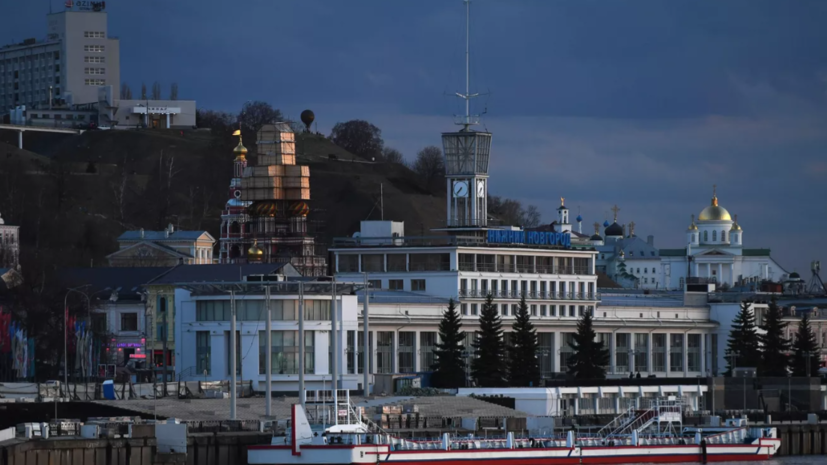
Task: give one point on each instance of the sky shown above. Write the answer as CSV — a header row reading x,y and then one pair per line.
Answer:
x,y
643,104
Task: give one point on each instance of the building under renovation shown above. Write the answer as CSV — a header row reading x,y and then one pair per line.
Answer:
x,y
266,218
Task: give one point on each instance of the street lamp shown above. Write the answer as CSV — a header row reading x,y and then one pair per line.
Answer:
x,y
66,330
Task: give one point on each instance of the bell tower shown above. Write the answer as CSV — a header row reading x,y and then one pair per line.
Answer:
x,y
466,159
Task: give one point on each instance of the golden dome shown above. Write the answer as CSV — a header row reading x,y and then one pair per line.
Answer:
x,y
714,212
255,251
735,226
692,225
240,150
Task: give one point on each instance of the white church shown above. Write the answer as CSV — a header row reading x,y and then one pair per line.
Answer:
x,y
714,250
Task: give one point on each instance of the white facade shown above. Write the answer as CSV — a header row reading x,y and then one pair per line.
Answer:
x,y
77,56
125,323
203,334
714,250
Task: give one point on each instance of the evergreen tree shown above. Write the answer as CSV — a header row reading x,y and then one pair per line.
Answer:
x,y
449,367
743,344
488,368
524,366
590,357
774,346
806,349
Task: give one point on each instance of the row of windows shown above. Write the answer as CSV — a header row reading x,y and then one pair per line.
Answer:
x,y
93,71
523,264
394,262
95,82
519,288
574,311
254,310
28,59
398,284
94,35
94,48
94,59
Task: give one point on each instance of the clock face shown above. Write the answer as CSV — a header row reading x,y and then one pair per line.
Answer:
x,y
461,189
480,188
237,194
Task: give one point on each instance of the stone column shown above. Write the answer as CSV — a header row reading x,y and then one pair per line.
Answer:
x,y
632,356
703,354
167,120
721,273
667,347
556,340
649,365
417,356
395,348
685,355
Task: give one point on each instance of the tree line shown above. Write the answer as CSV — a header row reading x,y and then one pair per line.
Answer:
x,y
771,353
498,360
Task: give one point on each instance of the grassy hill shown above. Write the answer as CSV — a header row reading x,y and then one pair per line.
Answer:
x,y
93,186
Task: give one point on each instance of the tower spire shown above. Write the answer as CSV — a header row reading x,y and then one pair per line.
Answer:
x,y
468,119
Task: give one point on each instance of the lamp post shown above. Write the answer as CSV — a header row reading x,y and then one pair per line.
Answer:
x,y
66,330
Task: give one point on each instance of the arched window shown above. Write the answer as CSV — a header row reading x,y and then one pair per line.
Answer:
x,y
706,236
162,304
714,236
723,236
693,237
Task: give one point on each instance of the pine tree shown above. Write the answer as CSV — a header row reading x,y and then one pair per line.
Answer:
x,y
524,366
449,367
774,346
590,357
488,368
806,349
743,343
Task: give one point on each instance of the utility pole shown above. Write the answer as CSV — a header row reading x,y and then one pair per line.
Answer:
x,y
233,355
334,349
269,353
302,396
366,348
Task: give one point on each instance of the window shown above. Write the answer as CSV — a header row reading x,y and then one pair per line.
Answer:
x,y
100,59
641,352
723,236
693,355
430,262
285,352
676,351
129,321
543,310
202,352
474,309
417,284
405,364
427,343
397,262
504,309
253,310
646,270
466,262
515,309
533,310
94,35
552,310
375,283
94,71
316,310
659,352
395,284
464,309
161,331
706,236
714,236
373,262
348,263
94,82
92,48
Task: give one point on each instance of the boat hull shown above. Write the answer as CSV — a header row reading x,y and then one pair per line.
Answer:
x,y
341,455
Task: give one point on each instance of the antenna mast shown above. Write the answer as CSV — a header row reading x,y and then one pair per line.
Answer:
x,y
468,119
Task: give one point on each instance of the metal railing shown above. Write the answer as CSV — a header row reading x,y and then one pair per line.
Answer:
x,y
537,295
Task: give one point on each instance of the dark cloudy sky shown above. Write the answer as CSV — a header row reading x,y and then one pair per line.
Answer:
x,y
646,104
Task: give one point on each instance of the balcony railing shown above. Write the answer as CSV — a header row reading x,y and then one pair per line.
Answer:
x,y
516,268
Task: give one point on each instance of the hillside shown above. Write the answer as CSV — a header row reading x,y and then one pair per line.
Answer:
x,y
95,185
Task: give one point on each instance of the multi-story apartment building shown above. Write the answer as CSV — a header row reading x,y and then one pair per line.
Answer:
x,y
75,58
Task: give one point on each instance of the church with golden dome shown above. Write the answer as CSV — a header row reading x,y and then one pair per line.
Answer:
x,y
265,219
714,250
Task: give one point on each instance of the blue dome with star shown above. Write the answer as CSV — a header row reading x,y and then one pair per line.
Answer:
x,y
606,224
579,218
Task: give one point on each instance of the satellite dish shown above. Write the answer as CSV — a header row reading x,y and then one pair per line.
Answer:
x,y
308,117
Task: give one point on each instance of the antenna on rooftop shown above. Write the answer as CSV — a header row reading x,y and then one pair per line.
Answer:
x,y
468,119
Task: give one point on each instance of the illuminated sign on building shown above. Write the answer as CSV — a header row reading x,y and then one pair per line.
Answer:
x,y
85,5
129,345
529,237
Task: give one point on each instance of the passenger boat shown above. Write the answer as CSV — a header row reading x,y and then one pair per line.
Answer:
x,y
649,435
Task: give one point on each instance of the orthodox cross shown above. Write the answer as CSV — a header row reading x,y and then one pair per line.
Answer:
x,y
631,228
615,209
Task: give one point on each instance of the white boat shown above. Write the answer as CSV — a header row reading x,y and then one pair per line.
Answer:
x,y
652,435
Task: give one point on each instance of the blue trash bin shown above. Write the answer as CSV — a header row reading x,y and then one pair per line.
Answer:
x,y
109,390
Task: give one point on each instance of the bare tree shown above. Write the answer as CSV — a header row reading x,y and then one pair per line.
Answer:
x,y
143,91
256,114
359,137
119,190
391,155
126,92
429,165
531,217
156,90
173,91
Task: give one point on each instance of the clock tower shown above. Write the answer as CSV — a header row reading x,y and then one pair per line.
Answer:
x,y
466,161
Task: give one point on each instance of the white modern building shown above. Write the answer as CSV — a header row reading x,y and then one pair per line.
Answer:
x,y
76,57
203,331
